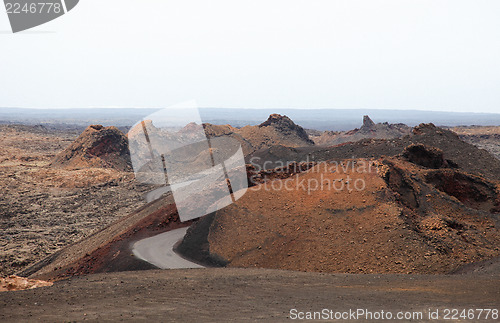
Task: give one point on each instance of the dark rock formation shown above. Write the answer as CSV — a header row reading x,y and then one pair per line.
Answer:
x,y
420,154
285,125
97,146
368,124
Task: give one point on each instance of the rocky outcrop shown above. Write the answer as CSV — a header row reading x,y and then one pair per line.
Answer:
x,y
97,146
286,126
368,124
14,282
420,154
276,130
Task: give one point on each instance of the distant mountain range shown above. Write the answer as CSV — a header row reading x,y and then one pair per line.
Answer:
x,y
320,119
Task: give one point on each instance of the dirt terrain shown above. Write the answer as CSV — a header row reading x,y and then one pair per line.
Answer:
x,y
44,208
487,137
245,295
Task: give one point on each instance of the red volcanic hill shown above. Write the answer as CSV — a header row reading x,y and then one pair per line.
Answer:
x,y
430,208
374,216
97,146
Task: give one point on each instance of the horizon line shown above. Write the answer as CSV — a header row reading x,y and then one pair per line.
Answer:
x,y
247,108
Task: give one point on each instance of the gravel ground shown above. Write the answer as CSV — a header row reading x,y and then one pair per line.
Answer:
x,y
228,294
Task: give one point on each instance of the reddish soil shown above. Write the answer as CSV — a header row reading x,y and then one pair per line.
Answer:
x,y
470,190
404,220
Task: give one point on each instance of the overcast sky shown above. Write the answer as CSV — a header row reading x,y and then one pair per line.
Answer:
x,y
419,54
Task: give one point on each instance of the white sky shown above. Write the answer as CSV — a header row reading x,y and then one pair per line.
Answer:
x,y
398,54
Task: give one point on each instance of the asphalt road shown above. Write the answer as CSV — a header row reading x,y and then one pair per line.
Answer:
x,y
158,250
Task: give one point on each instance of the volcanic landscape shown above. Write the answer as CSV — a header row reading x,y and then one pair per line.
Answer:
x,y
369,216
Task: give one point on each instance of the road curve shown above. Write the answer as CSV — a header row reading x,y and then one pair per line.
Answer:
x,y
158,250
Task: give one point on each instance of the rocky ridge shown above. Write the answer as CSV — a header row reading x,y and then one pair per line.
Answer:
x,y
368,130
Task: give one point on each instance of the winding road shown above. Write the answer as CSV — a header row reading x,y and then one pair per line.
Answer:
x,y
159,250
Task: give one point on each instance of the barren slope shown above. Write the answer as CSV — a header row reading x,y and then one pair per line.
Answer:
x,y
486,137
396,217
